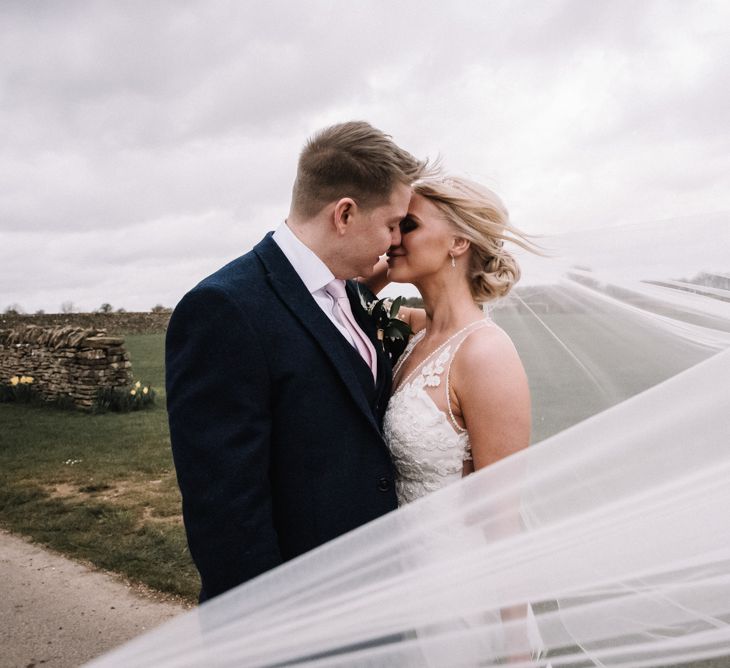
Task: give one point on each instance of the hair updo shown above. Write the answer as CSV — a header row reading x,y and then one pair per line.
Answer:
x,y
479,215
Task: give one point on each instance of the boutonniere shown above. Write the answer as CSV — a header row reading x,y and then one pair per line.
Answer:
x,y
392,332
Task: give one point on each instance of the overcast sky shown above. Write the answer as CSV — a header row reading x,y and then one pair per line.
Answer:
x,y
144,144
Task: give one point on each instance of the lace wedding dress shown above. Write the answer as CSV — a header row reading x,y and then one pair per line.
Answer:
x,y
427,445
429,448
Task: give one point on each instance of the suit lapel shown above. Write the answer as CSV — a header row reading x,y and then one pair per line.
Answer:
x,y
293,293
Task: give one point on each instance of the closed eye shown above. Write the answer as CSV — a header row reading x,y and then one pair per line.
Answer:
x,y
407,225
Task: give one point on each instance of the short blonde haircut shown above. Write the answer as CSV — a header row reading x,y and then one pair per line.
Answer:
x,y
351,159
480,216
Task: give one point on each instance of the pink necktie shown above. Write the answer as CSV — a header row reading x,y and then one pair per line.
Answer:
x,y
343,313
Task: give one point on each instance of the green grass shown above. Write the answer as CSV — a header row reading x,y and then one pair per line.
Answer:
x,y
579,364
100,487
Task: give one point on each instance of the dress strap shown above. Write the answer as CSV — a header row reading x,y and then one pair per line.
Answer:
x,y
443,350
457,426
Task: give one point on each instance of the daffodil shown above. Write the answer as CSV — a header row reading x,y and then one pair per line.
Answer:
x,y
138,384
133,392
14,380
145,390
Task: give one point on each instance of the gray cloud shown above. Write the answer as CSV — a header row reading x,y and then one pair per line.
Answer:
x,y
160,139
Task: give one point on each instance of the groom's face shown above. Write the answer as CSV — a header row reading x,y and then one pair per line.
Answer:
x,y
375,230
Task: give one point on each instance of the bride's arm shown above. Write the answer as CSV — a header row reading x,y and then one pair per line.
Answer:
x,y
490,393
491,396
379,278
415,318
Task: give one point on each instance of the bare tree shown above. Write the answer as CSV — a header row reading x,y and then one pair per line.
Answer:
x,y
159,308
14,309
105,308
68,307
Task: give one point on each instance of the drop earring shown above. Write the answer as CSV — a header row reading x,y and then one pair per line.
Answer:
x,y
453,262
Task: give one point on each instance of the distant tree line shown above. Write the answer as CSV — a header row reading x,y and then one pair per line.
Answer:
x,y
69,307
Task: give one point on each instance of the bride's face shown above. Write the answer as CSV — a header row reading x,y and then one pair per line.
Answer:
x,y
426,238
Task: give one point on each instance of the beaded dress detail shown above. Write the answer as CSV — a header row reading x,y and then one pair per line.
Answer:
x,y
427,445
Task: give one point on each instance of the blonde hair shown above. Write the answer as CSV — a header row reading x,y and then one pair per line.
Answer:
x,y
480,216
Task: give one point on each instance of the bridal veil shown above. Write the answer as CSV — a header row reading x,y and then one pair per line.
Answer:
x,y
623,549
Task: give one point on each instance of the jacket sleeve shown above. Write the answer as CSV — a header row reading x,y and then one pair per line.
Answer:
x,y
218,404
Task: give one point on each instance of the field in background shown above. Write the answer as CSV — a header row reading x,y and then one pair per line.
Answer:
x,y
100,488
583,356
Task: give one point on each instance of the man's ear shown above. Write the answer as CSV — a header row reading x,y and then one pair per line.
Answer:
x,y
342,214
459,246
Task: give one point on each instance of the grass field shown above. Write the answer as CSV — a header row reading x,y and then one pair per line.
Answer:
x,y
579,364
100,488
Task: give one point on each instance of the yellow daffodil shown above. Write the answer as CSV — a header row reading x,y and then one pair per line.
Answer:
x,y
138,384
145,390
14,380
133,392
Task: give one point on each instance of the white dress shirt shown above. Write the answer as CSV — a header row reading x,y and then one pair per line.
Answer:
x,y
314,273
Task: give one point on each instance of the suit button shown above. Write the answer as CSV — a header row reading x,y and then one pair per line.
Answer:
x,y
383,484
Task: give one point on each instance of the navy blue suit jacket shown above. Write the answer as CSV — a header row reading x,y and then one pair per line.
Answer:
x,y
275,421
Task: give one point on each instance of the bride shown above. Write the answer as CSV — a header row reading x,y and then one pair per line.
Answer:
x,y
460,399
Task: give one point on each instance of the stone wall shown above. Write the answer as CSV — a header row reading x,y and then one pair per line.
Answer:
x,y
65,362
114,323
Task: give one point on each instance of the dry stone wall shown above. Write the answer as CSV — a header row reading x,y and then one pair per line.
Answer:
x,y
65,362
114,323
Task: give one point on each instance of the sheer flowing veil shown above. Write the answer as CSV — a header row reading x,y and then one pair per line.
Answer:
x,y
621,555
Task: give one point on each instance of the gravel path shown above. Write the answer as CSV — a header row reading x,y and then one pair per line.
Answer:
x,y
57,613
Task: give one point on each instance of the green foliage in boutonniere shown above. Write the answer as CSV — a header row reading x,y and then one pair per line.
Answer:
x,y
393,333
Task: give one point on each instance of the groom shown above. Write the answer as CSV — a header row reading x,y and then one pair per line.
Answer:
x,y
276,384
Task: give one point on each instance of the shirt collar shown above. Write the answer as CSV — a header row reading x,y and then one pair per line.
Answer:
x,y
314,273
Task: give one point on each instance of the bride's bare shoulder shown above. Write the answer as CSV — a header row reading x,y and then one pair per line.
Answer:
x,y
488,350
